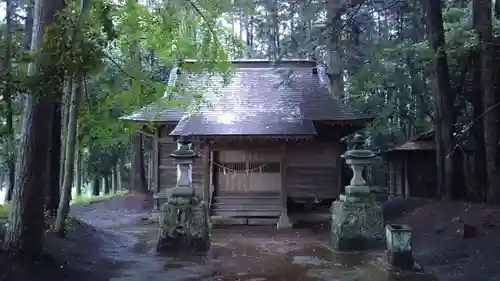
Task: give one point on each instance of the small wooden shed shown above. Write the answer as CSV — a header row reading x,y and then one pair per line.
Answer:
x,y
269,136
412,167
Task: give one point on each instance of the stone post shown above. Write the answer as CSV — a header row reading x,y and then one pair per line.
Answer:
x,y
356,215
184,221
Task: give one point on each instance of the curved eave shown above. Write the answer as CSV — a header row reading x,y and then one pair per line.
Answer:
x,y
144,121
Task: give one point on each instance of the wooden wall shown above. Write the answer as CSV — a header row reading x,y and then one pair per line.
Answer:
x,y
313,169
198,169
412,174
168,168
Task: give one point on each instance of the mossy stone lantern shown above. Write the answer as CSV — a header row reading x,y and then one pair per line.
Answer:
x,y
358,158
184,220
357,219
184,157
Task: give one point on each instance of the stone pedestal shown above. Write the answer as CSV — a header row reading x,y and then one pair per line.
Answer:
x,y
356,224
184,226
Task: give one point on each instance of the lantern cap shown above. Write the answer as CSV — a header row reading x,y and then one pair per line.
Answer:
x,y
358,151
184,151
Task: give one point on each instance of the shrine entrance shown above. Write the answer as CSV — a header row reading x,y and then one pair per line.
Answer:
x,y
248,185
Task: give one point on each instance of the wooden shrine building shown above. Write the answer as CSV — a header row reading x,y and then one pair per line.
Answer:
x,y
269,136
412,167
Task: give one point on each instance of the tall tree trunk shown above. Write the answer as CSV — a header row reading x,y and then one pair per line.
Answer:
x,y
249,35
107,184
96,185
54,189
78,172
65,107
444,100
138,169
28,26
119,174
138,173
483,24
273,22
24,234
334,45
69,171
7,98
241,22
114,179
480,175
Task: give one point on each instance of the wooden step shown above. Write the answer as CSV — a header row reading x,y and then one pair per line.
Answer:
x,y
246,213
243,207
247,196
262,221
249,205
226,194
249,199
219,220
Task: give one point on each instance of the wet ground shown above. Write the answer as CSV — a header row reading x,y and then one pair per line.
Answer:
x,y
257,254
118,245
237,253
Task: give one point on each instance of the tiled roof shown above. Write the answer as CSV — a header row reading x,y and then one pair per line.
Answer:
x,y
416,145
157,111
423,141
261,98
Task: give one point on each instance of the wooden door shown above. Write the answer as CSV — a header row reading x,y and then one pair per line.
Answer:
x,y
241,171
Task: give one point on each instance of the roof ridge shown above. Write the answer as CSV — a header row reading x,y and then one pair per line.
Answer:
x,y
172,80
251,63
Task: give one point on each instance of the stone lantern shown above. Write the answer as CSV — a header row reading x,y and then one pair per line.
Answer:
x,y
184,218
356,215
358,158
184,157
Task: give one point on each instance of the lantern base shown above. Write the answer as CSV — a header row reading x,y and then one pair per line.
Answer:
x,y
184,226
356,225
354,190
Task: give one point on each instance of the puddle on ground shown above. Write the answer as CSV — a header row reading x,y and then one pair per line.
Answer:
x,y
255,256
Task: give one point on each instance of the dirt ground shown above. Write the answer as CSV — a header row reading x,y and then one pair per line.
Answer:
x,y
437,237
112,241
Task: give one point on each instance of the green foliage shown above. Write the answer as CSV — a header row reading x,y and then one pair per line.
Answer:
x,y
125,49
4,212
86,200
127,44
393,82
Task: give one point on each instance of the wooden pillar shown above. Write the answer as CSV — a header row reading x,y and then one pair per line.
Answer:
x,y
206,172
284,221
339,166
156,164
151,169
390,177
407,181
